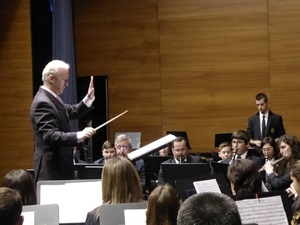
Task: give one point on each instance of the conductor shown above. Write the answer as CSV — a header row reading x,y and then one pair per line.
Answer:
x,y
50,116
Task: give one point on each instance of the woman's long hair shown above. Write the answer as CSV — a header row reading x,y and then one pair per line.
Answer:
x,y
23,182
163,206
120,183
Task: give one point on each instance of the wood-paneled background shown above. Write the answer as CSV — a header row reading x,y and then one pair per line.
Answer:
x,y
193,65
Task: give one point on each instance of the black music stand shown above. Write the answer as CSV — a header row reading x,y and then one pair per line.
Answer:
x,y
88,171
172,171
222,137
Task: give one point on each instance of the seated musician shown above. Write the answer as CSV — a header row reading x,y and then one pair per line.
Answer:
x,y
295,186
289,149
225,151
240,142
180,152
244,177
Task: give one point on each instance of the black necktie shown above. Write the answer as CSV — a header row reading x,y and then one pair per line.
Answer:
x,y
263,127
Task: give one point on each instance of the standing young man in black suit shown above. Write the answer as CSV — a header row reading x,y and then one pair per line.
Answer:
x,y
264,123
50,116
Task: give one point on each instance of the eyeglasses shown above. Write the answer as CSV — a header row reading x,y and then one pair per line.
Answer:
x,y
124,147
237,142
267,149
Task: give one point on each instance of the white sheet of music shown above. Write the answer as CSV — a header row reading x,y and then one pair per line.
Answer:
x,y
135,216
28,218
263,211
147,149
207,186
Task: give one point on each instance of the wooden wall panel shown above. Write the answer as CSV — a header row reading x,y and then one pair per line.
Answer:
x,y
210,57
213,100
139,92
214,40
16,149
191,8
124,35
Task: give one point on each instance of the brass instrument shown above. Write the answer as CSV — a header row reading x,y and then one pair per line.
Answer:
x,y
295,218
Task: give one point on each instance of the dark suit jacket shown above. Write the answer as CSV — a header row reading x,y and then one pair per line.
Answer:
x,y
190,159
274,128
279,182
100,161
257,160
140,168
53,153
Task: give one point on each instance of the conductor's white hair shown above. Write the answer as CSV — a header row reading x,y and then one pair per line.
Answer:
x,y
52,68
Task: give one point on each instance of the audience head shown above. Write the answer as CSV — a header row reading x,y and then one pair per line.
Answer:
x,y
123,145
244,177
240,141
163,206
208,209
56,75
269,148
23,182
120,182
262,102
289,147
10,207
225,150
108,150
295,175
180,149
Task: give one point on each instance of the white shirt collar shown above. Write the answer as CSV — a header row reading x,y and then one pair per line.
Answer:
x,y
51,92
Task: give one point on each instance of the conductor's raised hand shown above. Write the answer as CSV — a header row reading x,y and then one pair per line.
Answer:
x,y
91,90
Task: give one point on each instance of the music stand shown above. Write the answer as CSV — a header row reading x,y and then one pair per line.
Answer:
x,y
220,168
113,214
88,170
43,214
152,167
222,137
172,171
185,188
75,198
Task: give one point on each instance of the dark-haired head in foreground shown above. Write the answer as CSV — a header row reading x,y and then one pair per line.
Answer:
x,y
208,209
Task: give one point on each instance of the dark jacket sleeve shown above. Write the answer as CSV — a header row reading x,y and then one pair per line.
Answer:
x,y
279,182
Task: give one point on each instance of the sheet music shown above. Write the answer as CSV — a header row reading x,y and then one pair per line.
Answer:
x,y
148,149
135,216
263,211
210,185
28,218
